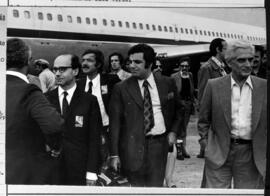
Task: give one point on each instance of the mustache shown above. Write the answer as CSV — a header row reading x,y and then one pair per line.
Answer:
x,y
85,66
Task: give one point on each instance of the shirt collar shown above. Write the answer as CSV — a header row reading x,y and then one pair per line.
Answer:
x,y
248,82
220,64
95,81
69,91
19,75
150,80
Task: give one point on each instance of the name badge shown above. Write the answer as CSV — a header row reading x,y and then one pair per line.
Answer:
x,y
170,95
104,89
78,121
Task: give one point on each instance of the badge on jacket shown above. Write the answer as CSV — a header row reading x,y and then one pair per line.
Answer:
x,y
78,121
170,95
104,89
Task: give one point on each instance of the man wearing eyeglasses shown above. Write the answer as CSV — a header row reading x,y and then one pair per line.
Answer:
x,y
82,120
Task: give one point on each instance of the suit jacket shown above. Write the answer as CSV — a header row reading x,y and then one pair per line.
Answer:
x,y
108,80
126,118
82,137
178,80
29,118
207,71
214,122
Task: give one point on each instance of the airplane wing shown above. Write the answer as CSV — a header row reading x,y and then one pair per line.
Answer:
x,y
178,51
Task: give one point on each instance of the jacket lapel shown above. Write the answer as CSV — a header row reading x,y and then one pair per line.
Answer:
x,y
225,98
134,90
162,89
257,100
74,100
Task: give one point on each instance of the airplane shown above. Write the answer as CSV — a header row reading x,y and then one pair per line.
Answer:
x,y
51,31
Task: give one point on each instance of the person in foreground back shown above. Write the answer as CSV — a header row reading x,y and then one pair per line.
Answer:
x,y
232,124
29,118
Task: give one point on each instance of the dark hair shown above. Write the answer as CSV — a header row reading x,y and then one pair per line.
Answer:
x,y
75,62
183,59
216,43
98,56
120,57
148,53
41,62
18,53
259,49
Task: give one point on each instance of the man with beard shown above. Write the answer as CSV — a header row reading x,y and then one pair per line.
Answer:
x,y
81,143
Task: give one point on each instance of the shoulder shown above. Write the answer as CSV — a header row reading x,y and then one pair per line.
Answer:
x,y
259,81
110,78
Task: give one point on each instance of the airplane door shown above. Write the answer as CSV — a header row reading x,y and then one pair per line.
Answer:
x,y
177,36
196,37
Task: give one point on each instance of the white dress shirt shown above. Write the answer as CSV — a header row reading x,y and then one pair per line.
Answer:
x,y
241,100
96,90
19,75
89,175
159,126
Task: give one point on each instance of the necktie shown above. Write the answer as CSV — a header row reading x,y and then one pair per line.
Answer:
x,y
147,109
65,105
90,84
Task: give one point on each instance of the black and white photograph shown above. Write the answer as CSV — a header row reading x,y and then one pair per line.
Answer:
x,y
135,97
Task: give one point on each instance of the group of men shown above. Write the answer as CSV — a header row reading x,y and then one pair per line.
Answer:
x,y
65,135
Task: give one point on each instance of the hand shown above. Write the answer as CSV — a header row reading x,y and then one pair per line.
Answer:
x,y
90,182
171,138
115,163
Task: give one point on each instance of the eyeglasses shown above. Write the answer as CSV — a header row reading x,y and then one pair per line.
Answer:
x,y
60,69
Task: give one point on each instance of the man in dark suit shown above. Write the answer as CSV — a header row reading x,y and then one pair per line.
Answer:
x,y
215,67
82,121
232,124
100,85
144,119
29,118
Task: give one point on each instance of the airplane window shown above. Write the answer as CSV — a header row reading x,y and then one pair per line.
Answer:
x,y
141,25
16,13
224,35
134,25
153,27
27,14
182,30
186,30
112,23
147,26
196,32
87,20
229,35
176,30
120,23
220,34
204,32
69,19
60,18
40,15
209,34
191,31
94,21
213,33
104,22
127,24
171,29
201,32
235,36
165,29
79,20
159,28
49,17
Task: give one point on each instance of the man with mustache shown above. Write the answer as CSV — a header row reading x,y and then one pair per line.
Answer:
x,y
99,85
232,124
144,119
81,142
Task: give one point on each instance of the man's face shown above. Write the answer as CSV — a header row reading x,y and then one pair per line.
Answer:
x,y
223,51
257,60
89,64
64,74
241,64
184,66
115,63
137,66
